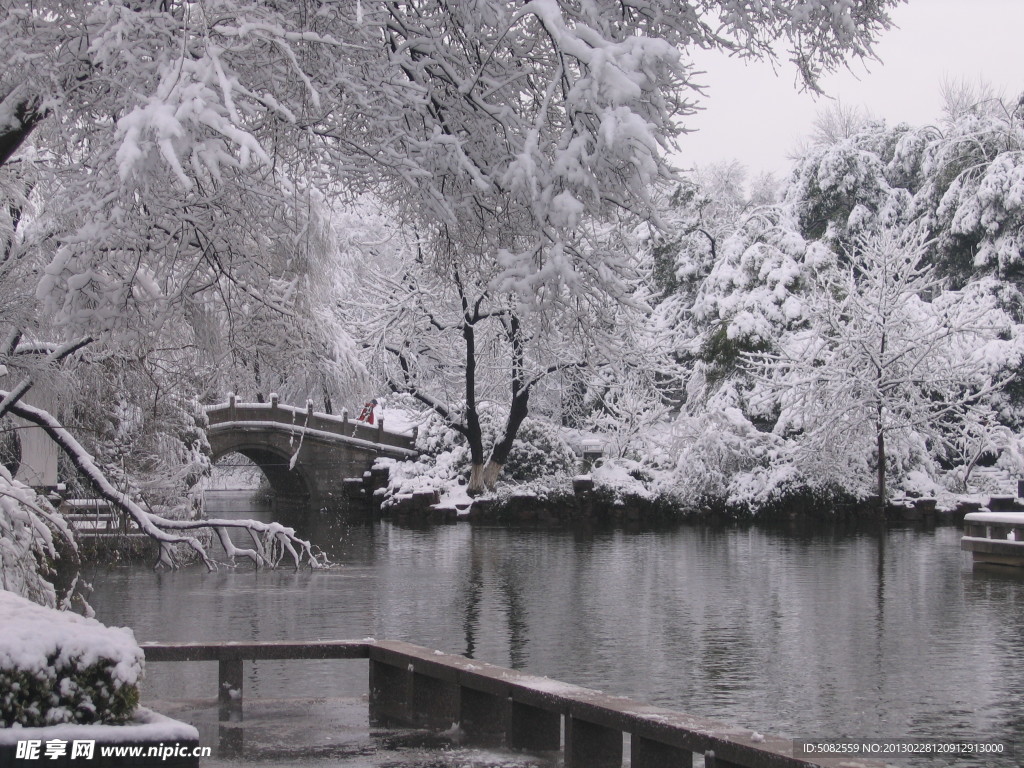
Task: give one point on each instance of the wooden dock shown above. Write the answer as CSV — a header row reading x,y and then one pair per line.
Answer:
x,y
493,705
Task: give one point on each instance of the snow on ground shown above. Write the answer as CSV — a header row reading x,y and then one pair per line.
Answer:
x,y
399,420
146,726
455,497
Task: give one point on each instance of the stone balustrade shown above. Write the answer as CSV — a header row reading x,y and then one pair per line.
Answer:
x,y
996,538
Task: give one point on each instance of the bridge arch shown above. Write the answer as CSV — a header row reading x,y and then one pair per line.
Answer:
x,y
292,485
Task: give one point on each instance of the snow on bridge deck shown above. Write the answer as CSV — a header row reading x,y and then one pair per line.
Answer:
x,y
274,415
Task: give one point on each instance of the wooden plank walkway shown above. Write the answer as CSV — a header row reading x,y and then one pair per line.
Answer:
x,y
494,705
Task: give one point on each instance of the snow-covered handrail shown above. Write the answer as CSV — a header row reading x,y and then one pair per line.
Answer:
x,y
994,537
309,421
299,429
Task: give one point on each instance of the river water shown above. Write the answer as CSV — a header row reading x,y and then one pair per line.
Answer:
x,y
804,633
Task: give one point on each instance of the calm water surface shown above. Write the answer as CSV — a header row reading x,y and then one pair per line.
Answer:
x,y
805,634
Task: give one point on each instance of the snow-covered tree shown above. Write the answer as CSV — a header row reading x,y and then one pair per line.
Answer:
x,y
760,291
889,366
32,539
161,163
465,349
972,189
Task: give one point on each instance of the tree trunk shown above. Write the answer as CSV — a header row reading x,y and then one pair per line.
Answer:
x,y
476,480
492,471
880,428
474,434
881,469
499,454
24,114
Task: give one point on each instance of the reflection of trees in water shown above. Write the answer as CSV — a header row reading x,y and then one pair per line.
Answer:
x,y
510,597
235,471
473,592
515,613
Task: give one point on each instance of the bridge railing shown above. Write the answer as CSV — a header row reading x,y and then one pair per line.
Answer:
x,y
418,686
307,418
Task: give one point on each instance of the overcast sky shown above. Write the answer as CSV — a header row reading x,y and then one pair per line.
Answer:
x,y
758,117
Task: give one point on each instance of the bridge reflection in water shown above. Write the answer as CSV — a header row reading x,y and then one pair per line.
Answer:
x,y
306,456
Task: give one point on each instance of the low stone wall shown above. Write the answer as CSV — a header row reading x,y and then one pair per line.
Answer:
x,y
367,492
587,503
583,504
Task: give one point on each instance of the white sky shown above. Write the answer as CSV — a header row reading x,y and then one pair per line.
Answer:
x,y
757,116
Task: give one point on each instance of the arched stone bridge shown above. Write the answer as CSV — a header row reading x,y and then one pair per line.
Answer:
x,y
306,456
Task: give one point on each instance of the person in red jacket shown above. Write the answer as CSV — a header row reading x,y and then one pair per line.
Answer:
x,y
367,412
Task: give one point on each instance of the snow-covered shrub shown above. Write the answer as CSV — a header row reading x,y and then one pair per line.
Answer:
x,y
758,487
435,437
712,448
427,473
539,451
918,483
624,478
59,667
28,545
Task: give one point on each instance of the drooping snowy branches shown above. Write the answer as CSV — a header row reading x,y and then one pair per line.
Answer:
x,y
520,116
271,541
32,538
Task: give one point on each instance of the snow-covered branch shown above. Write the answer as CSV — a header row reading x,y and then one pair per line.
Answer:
x,y
275,539
53,353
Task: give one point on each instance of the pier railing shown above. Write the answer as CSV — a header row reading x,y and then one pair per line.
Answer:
x,y
493,705
994,537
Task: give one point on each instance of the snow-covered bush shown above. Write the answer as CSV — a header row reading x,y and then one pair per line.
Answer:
x,y
428,473
539,451
435,437
625,478
59,667
715,447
